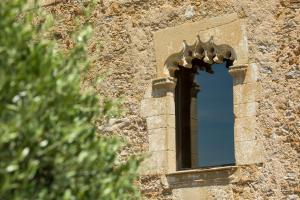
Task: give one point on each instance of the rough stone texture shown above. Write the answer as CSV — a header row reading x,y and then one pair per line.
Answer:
x,y
123,49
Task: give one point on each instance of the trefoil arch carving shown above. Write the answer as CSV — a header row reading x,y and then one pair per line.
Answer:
x,y
203,54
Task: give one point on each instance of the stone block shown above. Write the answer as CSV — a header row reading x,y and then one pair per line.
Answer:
x,y
156,122
171,121
153,107
170,103
237,94
248,92
162,139
159,159
249,152
245,109
171,166
251,74
203,193
155,163
158,140
161,121
244,129
244,93
171,139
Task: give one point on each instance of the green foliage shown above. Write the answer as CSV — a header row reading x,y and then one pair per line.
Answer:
x,y
49,148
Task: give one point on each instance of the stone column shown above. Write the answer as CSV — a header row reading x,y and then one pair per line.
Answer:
x,y
158,107
248,149
194,126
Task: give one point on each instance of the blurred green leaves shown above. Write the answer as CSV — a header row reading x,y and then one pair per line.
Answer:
x,y
49,148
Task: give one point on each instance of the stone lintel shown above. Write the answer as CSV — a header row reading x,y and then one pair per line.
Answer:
x,y
179,44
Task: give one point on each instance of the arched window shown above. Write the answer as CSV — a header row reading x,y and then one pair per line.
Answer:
x,y
174,141
204,120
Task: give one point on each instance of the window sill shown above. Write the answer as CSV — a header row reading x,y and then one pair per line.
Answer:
x,y
212,169
201,177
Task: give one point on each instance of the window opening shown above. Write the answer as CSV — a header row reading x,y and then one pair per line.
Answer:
x,y
213,122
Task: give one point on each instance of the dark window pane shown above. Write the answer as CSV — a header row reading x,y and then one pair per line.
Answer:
x,y
215,117
183,100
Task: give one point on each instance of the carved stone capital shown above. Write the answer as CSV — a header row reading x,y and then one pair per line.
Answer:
x,y
162,86
238,70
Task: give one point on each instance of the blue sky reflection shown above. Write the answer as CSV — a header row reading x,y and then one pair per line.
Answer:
x,y
215,117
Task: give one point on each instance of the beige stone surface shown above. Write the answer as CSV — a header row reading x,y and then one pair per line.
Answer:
x,y
158,141
203,193
249,152
171,166
191,193
170,104
155,163
245,93
153,107
244,129
162,139
44,2
123,50
245,109
161,121
252,75
171,139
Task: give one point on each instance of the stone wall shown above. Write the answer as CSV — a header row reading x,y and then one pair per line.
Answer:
x,y
123,49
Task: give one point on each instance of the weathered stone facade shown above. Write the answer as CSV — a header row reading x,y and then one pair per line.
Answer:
x,y
123,48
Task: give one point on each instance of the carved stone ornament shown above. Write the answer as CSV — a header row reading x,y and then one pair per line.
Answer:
x,y
161,86
205,52
164,82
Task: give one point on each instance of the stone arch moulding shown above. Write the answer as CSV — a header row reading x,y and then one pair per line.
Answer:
x,y
207,52
210,40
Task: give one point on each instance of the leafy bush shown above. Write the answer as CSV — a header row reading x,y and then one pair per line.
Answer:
x,y
49,148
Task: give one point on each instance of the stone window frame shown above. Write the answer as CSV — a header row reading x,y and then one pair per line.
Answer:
x,y
158,106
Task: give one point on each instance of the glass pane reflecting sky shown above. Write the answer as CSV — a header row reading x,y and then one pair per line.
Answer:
x,y
215,117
